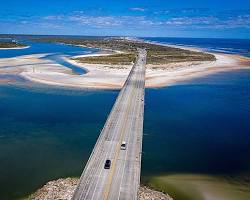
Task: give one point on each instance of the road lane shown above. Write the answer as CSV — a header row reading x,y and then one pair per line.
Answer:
x,y
125,123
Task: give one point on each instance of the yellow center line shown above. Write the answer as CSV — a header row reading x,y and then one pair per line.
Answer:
x,y
108,186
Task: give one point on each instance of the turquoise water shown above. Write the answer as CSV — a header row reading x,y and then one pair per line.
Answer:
x,y
54,52
200,126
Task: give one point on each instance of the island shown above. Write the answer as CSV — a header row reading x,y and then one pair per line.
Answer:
x,y
12,45
114,57
123,51
108,68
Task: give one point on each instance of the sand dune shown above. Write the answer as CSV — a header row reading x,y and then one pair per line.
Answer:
x,y
38,69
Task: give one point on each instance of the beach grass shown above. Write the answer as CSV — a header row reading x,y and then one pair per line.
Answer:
x,y
121,59
199,187
10,45
157,54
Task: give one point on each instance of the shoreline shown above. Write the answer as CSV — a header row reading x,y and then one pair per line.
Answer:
x,y
12,48
166,187
101,76
64,188
227,63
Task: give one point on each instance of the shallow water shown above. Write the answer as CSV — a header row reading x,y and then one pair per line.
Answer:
x,y
55,52
200,126
46,134
44,48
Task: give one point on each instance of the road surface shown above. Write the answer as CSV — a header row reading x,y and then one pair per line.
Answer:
x,y
125,123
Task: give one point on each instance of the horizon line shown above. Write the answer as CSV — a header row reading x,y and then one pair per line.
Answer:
x,y
25,34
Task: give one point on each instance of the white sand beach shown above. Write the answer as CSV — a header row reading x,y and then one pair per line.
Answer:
x,y
10,48
98,76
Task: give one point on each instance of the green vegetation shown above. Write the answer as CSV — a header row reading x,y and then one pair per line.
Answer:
x,y
123,59
197,187
157,54
10,45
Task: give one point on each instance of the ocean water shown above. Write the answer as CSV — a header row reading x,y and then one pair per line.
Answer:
x,y
230,46
198,126
44,48
202,126
54,52
46,134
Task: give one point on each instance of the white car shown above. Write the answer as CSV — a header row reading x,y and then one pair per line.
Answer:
x,y
123,146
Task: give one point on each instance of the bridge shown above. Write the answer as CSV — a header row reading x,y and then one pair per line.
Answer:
x,y
124,124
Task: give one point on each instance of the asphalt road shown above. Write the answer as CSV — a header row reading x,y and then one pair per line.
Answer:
x,y
125,123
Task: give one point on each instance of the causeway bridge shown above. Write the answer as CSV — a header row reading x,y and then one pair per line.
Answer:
x,y
123,126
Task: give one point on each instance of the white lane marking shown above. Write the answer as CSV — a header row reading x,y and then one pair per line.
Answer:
x,y
129,136
125,92
106,126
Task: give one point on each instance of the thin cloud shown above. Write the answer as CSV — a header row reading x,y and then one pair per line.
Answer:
x,y
53,17
80,19
141,9
99,21
209,22
183,12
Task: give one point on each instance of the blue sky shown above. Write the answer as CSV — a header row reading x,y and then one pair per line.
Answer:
x,y
173,18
